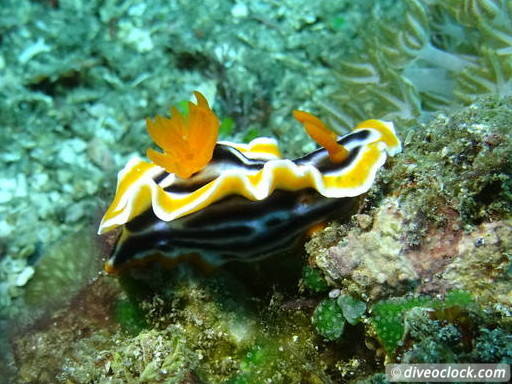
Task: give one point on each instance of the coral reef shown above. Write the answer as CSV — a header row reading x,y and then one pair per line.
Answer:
x,y
191,330
432,233
439,225
459,163
420,274
367,263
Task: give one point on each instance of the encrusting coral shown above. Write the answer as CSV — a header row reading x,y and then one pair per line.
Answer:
x,y
433,232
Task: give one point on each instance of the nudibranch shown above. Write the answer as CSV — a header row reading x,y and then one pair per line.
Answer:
x,y
219,201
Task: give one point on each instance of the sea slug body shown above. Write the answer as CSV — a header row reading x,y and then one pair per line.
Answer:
x,y
215,201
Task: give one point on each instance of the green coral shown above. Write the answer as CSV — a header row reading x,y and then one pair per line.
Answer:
x,y
328,319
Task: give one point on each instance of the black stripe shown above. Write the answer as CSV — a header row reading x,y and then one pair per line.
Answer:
x,y
226,154
229,209
236,238
360,134
327,166
189,186
160,177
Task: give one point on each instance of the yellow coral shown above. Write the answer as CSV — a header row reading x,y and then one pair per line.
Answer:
x,y
187,140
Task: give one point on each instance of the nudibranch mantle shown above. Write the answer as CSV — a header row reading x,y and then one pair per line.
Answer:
x,y
240,177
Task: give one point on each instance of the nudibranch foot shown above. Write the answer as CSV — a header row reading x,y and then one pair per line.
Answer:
x,y
228,201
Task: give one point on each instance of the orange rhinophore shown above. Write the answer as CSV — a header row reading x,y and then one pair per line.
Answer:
x,y
322,135
187,140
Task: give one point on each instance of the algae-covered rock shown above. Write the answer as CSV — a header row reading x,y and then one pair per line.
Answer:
x,y
438,226
154,356
482,263
369,263
176,328
428,234
458,165
493,346
63,269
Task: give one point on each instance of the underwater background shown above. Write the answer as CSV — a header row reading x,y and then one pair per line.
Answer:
x,y
421,272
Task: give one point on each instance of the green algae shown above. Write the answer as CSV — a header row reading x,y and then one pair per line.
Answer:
x,y
453,299
227,127
259,361
352,308
328,319
330,316
153,357
251,135
130,316
281,356
388,317
313,280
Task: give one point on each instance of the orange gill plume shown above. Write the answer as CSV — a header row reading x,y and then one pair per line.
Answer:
x,y
322,135
187,140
